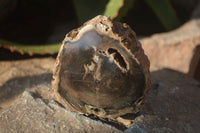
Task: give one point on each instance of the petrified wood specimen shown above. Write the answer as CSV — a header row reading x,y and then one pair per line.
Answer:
x,y
101,69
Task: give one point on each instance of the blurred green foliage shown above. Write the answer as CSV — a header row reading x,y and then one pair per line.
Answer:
x,y
117,9
31,48
165,13
87,9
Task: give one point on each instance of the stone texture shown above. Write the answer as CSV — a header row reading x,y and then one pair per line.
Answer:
x,y
27,102
101,69
178,49
172,105
32,114
16,76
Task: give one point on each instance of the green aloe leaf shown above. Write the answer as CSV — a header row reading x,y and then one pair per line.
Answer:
x,y
31,49
165,13
112,8
87,9
127,5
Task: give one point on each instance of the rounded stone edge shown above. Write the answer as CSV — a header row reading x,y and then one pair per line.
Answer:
x,y
104,25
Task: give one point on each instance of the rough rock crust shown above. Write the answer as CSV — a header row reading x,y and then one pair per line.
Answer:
x,y
108,79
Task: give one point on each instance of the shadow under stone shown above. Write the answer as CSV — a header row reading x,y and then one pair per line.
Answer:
x,y
194,70
11,89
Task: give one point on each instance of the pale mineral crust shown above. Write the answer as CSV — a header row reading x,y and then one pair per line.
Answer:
x,y
101,69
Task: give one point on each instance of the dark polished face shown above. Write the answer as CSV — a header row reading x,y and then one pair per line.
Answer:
x,y
97,70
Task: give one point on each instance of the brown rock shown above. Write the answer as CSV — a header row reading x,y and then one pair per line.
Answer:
x,y
101,69
178,49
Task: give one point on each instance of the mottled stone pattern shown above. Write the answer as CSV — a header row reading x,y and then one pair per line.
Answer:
x,y
101,69
19,75
31,114
172,104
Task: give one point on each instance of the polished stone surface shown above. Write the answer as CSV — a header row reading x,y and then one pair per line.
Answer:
x,y
97,73
97,69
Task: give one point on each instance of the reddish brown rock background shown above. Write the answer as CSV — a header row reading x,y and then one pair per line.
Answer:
x,y
178,49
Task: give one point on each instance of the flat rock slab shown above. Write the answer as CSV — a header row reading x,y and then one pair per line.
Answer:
x,y
17,76
172,104
33,115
